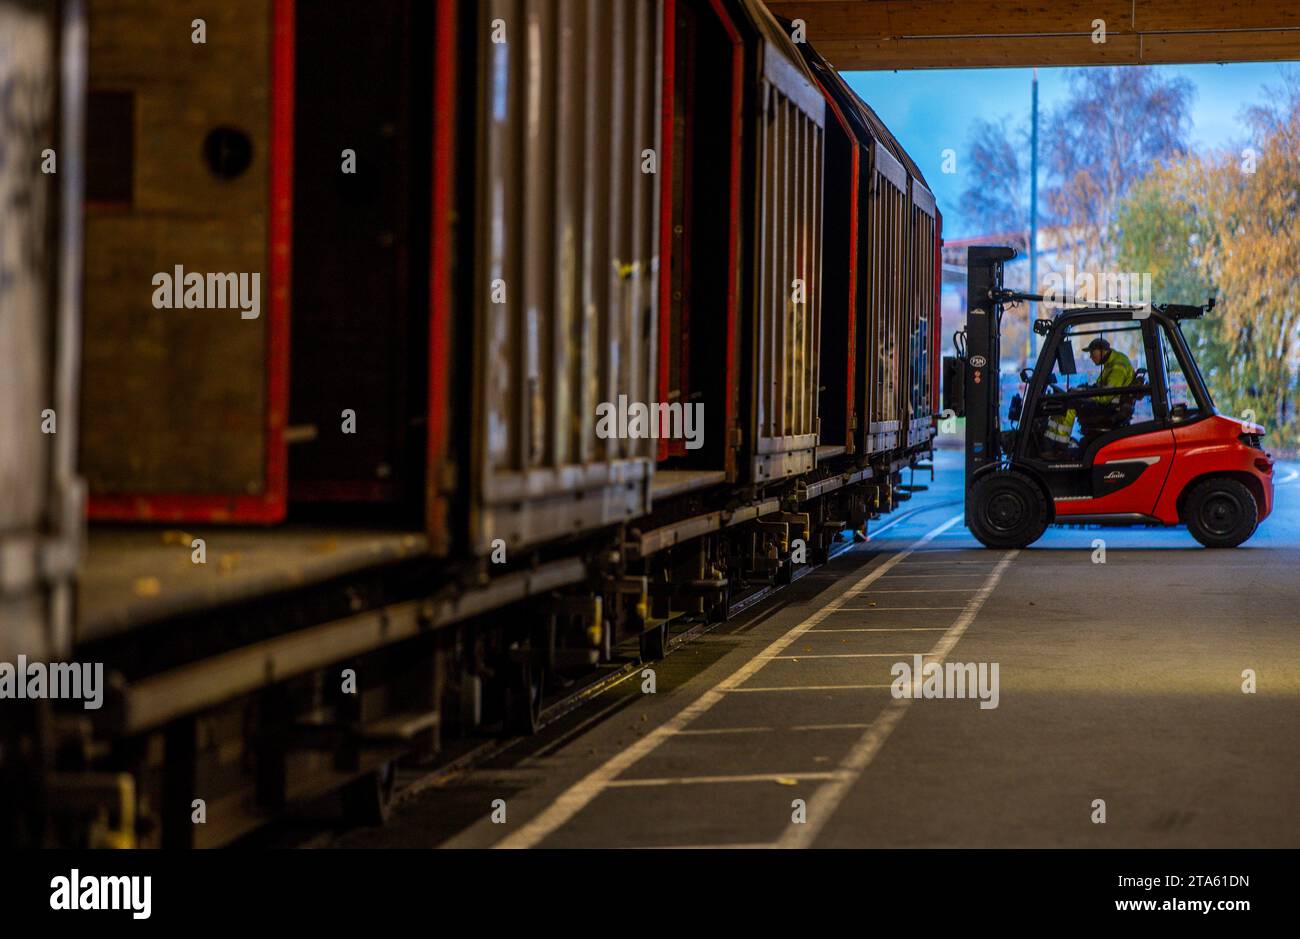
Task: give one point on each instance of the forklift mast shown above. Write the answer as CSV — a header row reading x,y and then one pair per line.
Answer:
x,y
981,359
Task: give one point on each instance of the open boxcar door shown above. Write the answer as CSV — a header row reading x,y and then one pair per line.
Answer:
x,y
189,186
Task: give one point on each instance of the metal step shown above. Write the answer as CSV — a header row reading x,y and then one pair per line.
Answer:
x,y
399,728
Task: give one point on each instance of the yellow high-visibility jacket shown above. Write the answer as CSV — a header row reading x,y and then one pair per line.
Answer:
x,y
1116,372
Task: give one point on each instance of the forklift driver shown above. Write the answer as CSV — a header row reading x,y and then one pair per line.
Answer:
x,y
1098,414
1116,371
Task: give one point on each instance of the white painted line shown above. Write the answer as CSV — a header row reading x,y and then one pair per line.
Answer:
x,y
580,794
1287,478
829,726
948,565
767,730
723,730
711,780
805,688
892,609
927,590
919,576
739,846
826,800
847,655
884,629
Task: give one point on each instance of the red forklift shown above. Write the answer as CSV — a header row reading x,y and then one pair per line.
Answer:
x,y
1078,452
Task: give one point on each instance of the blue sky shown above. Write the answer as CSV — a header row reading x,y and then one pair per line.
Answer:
x,y
930,111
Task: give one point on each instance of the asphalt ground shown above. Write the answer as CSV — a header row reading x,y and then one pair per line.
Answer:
x,y
1119,694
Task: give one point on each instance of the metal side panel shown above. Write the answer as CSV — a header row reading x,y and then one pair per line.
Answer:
x,y
42,65
567,260
888,248
788,270
923,304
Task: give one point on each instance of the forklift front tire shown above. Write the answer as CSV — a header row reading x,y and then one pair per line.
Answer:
x,y
1221,512
1009,510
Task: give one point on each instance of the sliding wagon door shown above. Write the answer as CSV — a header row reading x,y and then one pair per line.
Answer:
x,y
563,292
922,314
887,237
41,513
788,267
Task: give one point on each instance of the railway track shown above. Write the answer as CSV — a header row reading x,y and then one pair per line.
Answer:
x,y
410,782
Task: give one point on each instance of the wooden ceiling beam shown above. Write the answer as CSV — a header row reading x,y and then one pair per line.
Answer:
x,y
909,34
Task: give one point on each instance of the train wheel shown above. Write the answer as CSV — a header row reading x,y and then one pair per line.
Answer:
x,y
523,699
654,643
1221,513
369,800
1010,510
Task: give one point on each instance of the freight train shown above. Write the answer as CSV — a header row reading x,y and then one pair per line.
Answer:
x,y
373,511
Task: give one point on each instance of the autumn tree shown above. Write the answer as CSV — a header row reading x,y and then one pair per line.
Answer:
x,y
1115,125
1225,223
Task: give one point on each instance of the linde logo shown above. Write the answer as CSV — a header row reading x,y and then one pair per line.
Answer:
x,y
1115,474
104,892
641,421
946,680
193,291
58,680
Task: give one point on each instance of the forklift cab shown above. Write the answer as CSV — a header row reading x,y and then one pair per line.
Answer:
x,y
1115,425
1068,418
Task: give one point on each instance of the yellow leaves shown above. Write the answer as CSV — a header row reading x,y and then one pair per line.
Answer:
x,y
1222,223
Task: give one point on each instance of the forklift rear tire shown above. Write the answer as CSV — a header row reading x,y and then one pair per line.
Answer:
x,y
1010,510
1221,512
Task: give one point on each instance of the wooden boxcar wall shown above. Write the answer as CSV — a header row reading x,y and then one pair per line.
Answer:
x,y
189,158
566,262
42,74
